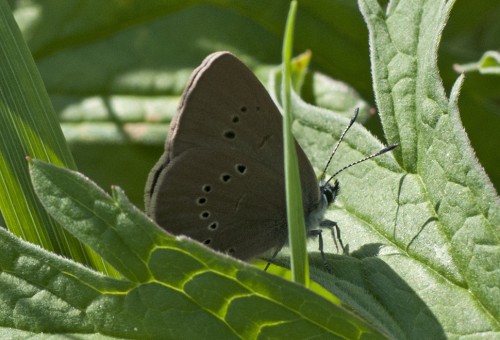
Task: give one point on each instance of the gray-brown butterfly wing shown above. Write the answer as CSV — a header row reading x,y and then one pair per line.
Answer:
x,y
221,180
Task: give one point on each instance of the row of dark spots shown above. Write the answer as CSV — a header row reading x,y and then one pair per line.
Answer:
x,y
207,188
230,133
225,178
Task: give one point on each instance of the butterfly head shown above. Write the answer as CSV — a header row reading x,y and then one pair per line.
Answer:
x,y
329,192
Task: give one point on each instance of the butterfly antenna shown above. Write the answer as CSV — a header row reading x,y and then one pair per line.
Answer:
x,y
381,152
353,119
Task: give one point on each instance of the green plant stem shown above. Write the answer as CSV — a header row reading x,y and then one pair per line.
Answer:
x,y
295,215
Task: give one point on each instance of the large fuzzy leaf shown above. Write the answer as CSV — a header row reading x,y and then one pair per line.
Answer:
x,y
173,287
423,225
424,232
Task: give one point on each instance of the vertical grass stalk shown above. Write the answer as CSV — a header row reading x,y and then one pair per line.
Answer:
x,y
295,214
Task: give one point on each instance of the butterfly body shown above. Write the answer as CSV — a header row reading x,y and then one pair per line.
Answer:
x,y
221,178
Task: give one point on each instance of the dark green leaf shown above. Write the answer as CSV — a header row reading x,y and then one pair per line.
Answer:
x,y
174,287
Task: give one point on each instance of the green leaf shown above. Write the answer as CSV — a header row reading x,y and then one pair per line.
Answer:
x,y
424,234
488,64
173,287
10,333
29,127
463,208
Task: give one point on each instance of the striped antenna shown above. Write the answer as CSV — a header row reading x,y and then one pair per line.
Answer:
x,y
381,152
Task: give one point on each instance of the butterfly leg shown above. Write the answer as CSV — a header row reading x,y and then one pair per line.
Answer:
x,y
335,230
275,254
272,258
319,234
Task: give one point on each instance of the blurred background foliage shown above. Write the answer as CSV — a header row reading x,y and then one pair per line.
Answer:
x,y
115,70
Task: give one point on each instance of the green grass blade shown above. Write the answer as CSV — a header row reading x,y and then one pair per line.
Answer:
x,y
295,215
29,127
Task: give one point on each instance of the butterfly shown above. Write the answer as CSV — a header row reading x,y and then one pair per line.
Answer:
x,y
220,180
